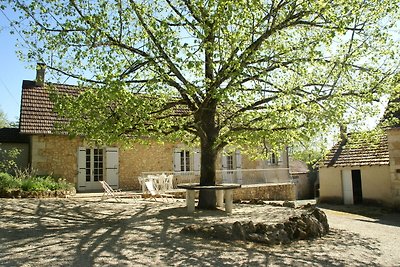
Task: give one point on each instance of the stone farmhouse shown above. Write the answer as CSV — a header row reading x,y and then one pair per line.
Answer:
x,y
84,165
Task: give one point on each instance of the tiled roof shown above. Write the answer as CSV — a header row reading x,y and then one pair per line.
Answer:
x,y
358,153
37,116
12,135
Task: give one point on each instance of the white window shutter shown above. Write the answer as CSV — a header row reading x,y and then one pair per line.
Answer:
x,y
81,154
238,158
224,162
224,159
177,160
196,161
112,167
280,159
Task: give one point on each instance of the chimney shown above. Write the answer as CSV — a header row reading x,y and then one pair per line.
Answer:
x,y
40,69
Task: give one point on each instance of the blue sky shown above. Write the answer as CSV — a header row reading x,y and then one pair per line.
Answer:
x,y
12,70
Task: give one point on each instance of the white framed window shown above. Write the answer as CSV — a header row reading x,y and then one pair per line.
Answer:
x,y
186,160
231,167
274,160
94,164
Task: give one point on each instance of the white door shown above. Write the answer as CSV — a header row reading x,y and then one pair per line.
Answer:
x,y
347,184
90,168
112,165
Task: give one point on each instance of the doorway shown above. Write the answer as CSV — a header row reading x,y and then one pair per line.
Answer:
x,y
357,187
352,187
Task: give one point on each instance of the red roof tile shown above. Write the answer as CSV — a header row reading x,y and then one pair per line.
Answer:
x,y
37,116
358,153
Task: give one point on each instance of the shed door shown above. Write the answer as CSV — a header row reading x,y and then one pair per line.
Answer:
x,y
347,184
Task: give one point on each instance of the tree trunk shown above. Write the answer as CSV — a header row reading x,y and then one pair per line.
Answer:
x,y
207,198
205,119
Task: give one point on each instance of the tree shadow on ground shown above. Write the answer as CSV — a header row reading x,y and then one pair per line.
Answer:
x,y
381,215
87,233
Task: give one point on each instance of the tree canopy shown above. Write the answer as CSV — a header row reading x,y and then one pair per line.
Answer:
x,y
3,120
249,73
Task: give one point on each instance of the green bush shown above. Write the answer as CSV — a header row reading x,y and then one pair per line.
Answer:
x,y
8,182
31,183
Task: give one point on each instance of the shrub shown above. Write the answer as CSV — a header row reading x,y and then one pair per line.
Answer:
x,y
8,182
27,181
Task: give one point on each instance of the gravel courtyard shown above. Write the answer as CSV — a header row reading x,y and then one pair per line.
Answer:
x,y
83,232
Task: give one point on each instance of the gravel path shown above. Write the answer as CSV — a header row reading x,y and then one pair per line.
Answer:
x,y
78,232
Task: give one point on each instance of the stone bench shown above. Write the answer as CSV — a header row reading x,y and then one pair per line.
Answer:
x,y
223,191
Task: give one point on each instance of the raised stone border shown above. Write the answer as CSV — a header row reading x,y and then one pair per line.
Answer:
x,y
36,194
312,223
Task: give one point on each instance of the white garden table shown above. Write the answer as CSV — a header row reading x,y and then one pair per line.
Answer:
x,y
223,191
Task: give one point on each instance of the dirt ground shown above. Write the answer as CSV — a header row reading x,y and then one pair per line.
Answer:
x,y
91,232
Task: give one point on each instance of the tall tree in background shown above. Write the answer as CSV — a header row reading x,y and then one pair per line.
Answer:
x,y
3,120
242,73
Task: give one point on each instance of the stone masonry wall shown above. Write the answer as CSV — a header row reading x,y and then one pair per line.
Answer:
x,y
140,158
55,155
284,191
394,156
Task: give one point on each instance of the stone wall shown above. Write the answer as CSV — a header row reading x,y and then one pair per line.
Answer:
x,y
303,186
394,156
140,158
55,155
284,191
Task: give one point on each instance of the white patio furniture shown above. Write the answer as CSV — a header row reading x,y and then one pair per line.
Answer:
x,y
155,193
161,183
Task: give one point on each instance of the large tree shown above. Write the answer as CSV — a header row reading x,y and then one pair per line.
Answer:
x,y
3,120
242,73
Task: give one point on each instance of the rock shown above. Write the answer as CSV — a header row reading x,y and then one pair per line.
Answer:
x,y
321,217
256,202
249,228
311,224
300,234
261,228
238,232
222,232
289,204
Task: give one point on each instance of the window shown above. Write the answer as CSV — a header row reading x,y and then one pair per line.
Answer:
x,y
94,164
229,162
185,160
274,159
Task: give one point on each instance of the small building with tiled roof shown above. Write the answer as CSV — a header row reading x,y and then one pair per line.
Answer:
x,y
362,170
57,154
